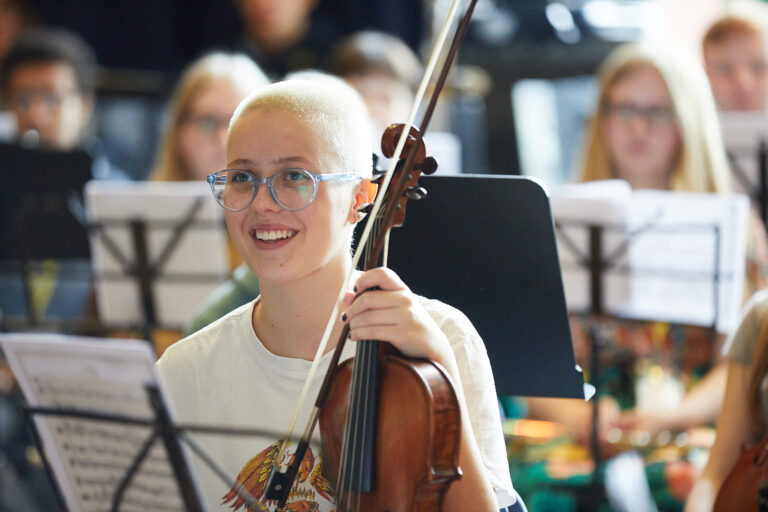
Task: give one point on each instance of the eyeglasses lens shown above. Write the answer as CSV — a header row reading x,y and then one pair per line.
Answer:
x,y
294,189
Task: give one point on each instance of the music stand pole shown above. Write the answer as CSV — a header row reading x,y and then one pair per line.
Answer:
x,y
175,455
596,269
144,275
762,158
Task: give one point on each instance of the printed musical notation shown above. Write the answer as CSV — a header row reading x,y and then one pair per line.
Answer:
x,y
91,457
669,256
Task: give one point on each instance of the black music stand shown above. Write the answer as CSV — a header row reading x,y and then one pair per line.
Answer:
x,y
758,192
36,221
486,245
63,377
746,144
597,258
123,250
172,435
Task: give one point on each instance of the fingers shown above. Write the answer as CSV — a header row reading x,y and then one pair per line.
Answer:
x,y
377,308
382,277
380,298
384,309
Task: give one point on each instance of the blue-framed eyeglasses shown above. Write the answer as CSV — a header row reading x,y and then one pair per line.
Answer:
x,y
292,189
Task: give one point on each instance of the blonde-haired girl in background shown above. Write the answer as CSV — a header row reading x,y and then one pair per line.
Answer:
x,y
201,106
656,125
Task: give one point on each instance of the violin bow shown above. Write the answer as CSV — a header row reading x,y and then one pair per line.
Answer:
x,y
280,484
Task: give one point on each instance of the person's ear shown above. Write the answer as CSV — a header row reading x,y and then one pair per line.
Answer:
x,y
366,194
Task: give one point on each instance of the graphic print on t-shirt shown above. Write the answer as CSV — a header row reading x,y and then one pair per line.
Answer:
x,y
311,492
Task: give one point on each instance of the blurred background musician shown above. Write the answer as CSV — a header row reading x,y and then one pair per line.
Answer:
x,y
192,147
734,50
47,79
281,36
14,17
198,114
655,127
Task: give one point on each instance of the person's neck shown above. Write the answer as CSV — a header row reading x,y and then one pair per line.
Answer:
x,y
290,319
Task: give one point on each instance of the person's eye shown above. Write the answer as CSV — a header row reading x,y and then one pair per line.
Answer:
x,y
624,111
660,114
239,177
22,102
295,176
725,69
208,124
51,101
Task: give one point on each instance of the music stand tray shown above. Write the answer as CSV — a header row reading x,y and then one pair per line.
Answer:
x,y
159,249
37,185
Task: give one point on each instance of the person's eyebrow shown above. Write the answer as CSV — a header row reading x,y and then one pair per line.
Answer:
x,y
246,162
291,159
240,162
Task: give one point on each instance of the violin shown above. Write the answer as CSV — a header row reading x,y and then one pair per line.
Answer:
x,y
746,487
390,425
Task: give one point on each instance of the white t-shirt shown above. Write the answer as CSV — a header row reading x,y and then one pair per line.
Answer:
x,y
222,375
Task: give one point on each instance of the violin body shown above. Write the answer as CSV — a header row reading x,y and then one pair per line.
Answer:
x,y
741,490
417,438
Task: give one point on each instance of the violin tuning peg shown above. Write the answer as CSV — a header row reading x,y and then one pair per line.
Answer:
x,y
416,193
428,166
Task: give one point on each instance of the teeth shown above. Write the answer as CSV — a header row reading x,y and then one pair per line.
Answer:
x,y
273,235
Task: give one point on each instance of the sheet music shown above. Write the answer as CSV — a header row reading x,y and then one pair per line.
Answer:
x,y
201,255
742,135
684,263
89,457
576,206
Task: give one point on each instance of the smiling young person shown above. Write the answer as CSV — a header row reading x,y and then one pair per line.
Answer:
x,y
299,159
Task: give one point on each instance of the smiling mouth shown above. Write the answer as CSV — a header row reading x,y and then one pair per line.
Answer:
x,y
273,235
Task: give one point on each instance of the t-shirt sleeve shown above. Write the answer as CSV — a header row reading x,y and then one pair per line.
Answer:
x,y
480,394
740,346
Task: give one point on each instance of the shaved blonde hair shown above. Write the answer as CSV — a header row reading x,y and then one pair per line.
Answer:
x,y
701,165
333,109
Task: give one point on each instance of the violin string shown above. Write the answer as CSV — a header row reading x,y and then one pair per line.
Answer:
x,y
418,97
356,445
368,407
347,440
353,464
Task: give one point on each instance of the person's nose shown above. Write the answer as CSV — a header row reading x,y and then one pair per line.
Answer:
x,y
640,123
743,78
263,201
221,135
